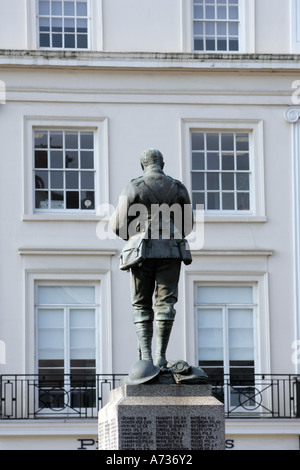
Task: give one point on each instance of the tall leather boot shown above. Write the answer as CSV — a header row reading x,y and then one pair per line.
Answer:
x,y
144,331
163,331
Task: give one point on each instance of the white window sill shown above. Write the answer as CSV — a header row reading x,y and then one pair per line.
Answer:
x,y
234,219
61,217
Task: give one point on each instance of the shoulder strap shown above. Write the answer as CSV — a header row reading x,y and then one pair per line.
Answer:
x,y
168,198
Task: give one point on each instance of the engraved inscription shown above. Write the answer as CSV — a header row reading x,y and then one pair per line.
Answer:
x,y
204,433
136,433
107,435
171,432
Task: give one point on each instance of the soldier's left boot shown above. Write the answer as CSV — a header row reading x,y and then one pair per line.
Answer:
x,y
144,332
163,331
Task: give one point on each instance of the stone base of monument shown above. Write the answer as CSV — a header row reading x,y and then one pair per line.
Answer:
x,y
162,417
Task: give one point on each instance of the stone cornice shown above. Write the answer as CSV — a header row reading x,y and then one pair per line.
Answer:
x,y
159,60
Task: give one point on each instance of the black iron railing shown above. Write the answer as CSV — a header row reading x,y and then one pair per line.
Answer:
x,y
33,396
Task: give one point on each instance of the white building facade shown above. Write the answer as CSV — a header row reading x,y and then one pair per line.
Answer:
x,y
85,87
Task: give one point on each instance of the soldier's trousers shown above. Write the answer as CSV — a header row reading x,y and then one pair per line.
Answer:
x,y
159,277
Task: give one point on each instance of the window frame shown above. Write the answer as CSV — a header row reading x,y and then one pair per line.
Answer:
x,y
225,307
99,127
95,27
256,153
235,270
83,276
246,30
220,172
64,170
67,332
51,47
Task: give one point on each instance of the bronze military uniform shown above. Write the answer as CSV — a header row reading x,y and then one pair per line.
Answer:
x,y
158,272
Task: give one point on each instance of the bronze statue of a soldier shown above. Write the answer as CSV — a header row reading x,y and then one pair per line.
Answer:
x,y
154,250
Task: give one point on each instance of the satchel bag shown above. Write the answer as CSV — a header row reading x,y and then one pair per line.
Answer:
x,y
134,252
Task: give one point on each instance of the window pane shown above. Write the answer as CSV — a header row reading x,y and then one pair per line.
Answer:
x,y
56,140
57,40
233,29
86,140
197,181
233,13
72,181
72,199
210,337
82,26
242,142
82,41
81,8
233,45
228,201
44,7
221,44
69,8
212,141
57,180
210,318
228,181
225,294
221,13
66,295
71,139
87,200
227,162
51,338
243,201
242,181
69,25
87,160
198,28
198,45
209,12
210,354
50,318
82,318
71,159
210,44
242,162
57,25
227,142
213,201
57,200
56,159
44,40
41,159
56,8
44,25
198,12
198,161
41,139
221,29
41,179
213,161
212,181
87,180
240,318
82,338
41,200
198,141
198,198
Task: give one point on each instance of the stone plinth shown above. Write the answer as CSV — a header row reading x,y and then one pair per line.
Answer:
x,y
162,417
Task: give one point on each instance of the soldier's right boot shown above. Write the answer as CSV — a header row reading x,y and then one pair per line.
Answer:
x,y
144,331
